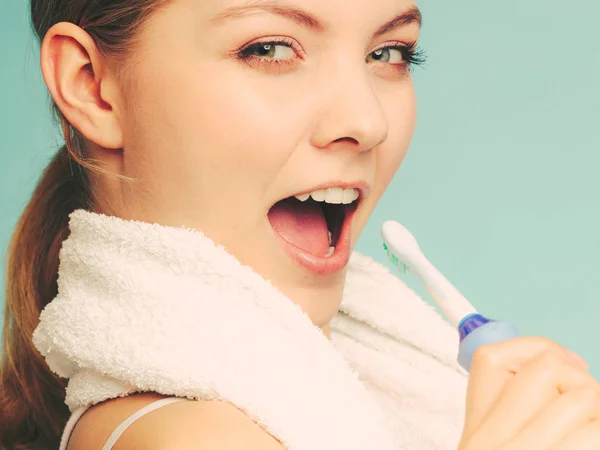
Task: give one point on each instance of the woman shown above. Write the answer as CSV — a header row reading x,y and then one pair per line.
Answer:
x,y
273,128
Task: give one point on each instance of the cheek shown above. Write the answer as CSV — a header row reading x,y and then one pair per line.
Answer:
x,y
214,128
254,120
401,112
402,119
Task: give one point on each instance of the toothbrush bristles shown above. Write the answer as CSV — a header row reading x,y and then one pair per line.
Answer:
x,y
394,259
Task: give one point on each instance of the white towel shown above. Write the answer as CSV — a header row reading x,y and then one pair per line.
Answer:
x,y
143,307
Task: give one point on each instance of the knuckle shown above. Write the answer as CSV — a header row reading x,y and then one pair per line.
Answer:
x,y
542,341
549,361
552,359
545,344
591,434
591,395
488,355
547,367
586,397
542,351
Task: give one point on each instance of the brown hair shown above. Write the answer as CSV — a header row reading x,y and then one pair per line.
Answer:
x,y
32,409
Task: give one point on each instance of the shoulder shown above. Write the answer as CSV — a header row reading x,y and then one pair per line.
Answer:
x,y
182,425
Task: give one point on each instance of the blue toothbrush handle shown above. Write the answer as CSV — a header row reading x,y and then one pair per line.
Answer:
x,y
476,330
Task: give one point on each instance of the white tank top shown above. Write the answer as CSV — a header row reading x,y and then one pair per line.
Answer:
x,y
112,440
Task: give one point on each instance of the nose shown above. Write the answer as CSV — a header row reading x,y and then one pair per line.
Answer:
x,y
351,113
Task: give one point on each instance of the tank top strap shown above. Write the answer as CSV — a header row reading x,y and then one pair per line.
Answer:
x,y
78,414
114,437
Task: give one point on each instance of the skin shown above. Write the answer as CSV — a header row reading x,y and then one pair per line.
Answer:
x,y
212,142
203,139
209,141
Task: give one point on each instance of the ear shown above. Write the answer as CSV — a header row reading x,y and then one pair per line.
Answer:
x,y
81,84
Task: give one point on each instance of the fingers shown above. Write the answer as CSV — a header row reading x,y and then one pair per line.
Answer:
x,y
538,384
585,438
494,366
561,418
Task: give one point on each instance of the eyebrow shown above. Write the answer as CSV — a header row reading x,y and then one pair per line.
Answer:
x,y
410,16
276,7
305,19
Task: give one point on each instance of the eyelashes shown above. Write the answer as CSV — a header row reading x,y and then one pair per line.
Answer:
x,y
274,53
264,48
282,53
413,55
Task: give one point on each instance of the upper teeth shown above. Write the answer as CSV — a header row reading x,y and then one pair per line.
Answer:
x,y
335,195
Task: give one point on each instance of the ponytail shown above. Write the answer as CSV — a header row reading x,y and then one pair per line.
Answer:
x,y
32,409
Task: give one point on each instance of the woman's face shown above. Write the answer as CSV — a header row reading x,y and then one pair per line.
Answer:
x,y
236,105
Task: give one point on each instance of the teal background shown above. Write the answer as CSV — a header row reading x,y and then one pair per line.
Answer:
x,y
500,185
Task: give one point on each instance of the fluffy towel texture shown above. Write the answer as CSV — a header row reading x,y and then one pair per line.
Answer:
x,y
143,307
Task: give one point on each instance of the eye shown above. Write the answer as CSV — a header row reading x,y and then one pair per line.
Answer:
x,y
401,56
277,50
391,55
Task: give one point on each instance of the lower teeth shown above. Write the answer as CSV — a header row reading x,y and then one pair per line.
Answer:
x,y
330,252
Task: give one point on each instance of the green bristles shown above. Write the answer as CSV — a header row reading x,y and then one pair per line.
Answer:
x,y
394,259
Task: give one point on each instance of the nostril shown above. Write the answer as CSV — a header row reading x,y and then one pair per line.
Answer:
x,y
350,140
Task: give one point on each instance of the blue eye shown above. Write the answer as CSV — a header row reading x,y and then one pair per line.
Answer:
x,y
271,50
390,55
399,54
268,50
285,54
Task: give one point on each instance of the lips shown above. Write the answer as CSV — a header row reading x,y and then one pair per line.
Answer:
x,y
315,227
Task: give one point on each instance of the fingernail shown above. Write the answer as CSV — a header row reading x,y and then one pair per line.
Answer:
x,y
577,358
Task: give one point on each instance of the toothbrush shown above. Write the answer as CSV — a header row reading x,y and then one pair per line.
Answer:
x,y
473,328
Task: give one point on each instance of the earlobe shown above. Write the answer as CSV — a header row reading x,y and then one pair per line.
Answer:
x,y
80,83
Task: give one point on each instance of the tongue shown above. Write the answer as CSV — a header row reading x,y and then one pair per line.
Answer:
x,y
301,224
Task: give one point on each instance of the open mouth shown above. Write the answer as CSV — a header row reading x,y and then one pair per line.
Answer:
x,y
315,222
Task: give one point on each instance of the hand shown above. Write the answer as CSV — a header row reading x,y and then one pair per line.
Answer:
x,y
531,394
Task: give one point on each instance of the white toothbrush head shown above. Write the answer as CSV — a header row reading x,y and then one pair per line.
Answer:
x,y
404,252
401,245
